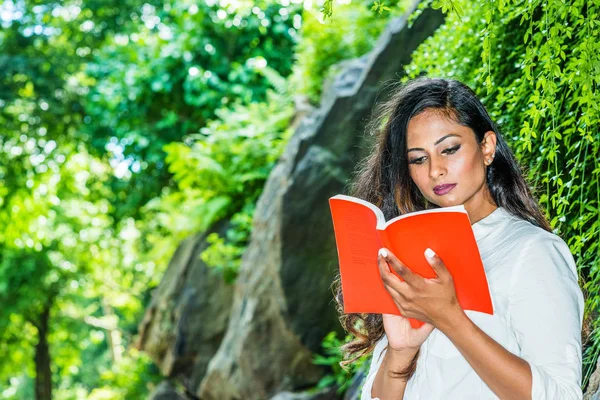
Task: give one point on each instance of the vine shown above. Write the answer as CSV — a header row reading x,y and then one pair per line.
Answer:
x,y
539,76
536,66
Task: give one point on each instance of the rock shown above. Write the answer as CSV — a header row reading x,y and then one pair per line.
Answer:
x,y
166,391
593,389
283,305
261,354
324,394
353,392
186,320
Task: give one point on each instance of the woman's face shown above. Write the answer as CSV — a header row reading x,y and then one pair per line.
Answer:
x,y
448,165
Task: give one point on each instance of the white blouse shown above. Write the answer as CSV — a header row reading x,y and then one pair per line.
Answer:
x,y
538,312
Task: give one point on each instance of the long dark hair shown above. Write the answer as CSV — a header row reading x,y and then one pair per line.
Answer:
x,y
383,178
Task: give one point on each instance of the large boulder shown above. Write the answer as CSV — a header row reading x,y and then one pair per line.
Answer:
x,y
166,391
354,391
188,314
323,394
283,305
593,389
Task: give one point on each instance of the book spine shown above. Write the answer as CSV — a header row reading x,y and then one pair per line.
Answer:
x,y
383,239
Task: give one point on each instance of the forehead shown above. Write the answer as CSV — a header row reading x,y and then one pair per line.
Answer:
x,y
429,126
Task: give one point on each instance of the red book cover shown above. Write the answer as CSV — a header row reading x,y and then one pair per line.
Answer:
x,y
361,230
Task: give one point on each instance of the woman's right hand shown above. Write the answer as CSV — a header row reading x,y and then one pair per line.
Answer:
x,y
401,336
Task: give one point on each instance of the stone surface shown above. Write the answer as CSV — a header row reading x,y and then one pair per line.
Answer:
x,y
353,392
186,319
593,389
283,305
166,391
324,394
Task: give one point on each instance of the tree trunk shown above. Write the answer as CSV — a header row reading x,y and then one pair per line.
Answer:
x,y
113,333
43,374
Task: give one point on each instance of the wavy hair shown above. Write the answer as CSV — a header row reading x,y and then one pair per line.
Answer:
x,y
383,179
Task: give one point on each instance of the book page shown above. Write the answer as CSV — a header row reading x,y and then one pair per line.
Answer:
x,y
357,245
360,239
459,208
378,213
450,236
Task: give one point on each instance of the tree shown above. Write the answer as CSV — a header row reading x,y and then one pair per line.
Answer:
x,y
90,92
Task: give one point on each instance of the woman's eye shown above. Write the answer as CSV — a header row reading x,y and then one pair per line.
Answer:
x,y
451,150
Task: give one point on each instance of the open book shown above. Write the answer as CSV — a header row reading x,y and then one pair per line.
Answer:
x,y
361,230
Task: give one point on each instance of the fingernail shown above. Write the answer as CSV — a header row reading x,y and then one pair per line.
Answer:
x,y
383,253
429,253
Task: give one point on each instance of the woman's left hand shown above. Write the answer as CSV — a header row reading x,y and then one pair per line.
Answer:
x,y
429,300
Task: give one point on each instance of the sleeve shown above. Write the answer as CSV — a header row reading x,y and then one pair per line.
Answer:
x,y
546,312
376,360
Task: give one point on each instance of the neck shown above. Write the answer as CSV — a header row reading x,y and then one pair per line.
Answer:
x,y
481,212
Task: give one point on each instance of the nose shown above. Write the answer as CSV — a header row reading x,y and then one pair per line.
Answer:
x,y
437,168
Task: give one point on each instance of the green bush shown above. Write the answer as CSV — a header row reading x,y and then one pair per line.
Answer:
x,y
338,377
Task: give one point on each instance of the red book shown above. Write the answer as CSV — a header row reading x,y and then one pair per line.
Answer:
x,y
361,230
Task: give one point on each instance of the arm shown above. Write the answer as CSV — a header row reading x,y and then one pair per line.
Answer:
x,y
385,386
378,385
546,307
507,375
434,301
393,353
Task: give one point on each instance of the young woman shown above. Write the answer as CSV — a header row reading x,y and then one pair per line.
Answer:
x,y
436,147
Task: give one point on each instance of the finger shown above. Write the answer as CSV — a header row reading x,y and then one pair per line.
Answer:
x,y
405,273
384,270
389,279
437,265
392,283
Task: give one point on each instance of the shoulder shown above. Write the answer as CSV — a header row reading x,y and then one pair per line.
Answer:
x,y
537,252
529,238
544,274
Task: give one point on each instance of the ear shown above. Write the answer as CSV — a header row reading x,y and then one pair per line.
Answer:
x,y
488,147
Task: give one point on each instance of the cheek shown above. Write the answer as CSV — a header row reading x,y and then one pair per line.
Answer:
x,y
462,164
415,176
420,179
469,166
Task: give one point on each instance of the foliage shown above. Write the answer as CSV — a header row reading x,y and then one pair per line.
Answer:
x,y
128,126
220,173
325,43
89,93
536,65
339,377
224,254
165,76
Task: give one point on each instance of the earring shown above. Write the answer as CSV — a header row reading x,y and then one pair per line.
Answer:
x,y
489,160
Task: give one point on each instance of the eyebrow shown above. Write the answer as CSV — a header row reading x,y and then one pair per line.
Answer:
x,y
440,140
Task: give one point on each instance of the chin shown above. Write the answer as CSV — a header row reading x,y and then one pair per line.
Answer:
x,y
447,201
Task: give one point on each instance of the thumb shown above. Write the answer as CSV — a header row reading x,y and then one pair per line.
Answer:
x,y
426,328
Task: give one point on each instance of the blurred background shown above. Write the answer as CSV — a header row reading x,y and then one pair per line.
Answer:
x,y
155,154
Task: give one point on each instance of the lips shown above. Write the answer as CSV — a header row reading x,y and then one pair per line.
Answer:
x,y
443,189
